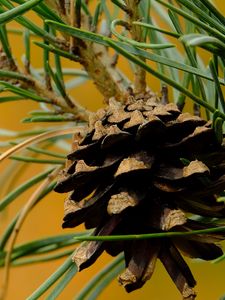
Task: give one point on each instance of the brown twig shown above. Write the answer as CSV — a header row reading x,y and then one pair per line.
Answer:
x,y
29,82
73,107
196,110
96,60
98,63
105,75
164,93
72,23
136,33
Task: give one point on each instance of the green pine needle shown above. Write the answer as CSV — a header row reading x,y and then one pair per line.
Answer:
x,y
17,11
150,235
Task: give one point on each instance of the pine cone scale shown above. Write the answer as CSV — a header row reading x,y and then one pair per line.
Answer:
x,y
140,266
178,271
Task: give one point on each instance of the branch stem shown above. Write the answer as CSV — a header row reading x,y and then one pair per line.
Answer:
x,y
136,34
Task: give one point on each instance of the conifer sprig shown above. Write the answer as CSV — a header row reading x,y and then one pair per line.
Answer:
x,y
96,39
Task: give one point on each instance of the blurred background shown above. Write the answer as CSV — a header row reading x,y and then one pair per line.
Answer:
x,y
46,217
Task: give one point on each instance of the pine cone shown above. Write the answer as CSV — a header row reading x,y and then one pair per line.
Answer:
x,y
139,169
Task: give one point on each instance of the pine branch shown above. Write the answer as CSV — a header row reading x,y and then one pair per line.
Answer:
x,y
85,32
94,58
28,82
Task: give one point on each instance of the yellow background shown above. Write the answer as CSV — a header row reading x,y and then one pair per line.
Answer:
x,y
46,218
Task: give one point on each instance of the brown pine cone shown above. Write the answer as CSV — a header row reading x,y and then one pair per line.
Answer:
x,y
139,169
